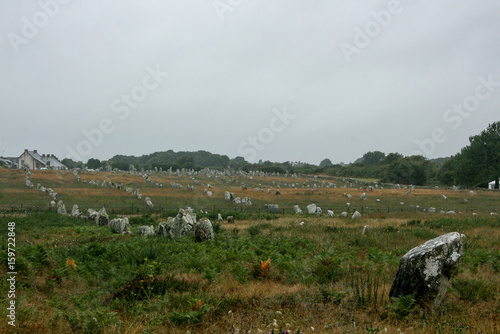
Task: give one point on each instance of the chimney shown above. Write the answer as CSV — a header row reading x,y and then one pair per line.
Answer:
x,y
35,151
25,150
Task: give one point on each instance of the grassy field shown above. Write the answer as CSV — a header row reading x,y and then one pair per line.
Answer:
x,y
16,197
322,276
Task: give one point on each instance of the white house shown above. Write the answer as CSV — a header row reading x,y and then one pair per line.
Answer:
x,y
33,160
491,185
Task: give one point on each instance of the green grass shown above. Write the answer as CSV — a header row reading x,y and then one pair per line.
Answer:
x,y
318,272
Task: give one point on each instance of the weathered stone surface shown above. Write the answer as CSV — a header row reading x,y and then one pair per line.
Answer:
x,y
356,215
120,225
426,270
102,218
272,207
75,212
146,231
343,214
366,230
61,208
203,230
182,225
230,219
311,209
363,196
219,217
228,196
318,211
91,214
432,210
329,214
297,210
164,228
237,200
246,201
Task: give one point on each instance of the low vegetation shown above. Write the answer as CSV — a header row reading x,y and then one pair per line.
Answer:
x,y
322,277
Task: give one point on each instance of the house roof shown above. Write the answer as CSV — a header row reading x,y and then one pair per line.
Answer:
x,y
37,157
53,161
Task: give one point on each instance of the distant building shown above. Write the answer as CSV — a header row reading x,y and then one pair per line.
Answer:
x,y
11,162
33,160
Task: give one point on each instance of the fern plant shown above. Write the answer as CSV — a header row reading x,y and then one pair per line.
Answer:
x,y
402,306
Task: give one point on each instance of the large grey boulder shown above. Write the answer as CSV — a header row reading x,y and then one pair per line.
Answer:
x,y
92,214
61,208
272,207
120,225
356,215
75,212
426,270
164,228
146,231
102,218
182,225
311,209
228,196
203,230
297,210
246,201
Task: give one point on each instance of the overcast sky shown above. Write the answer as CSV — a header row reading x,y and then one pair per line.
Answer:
x,y
280,80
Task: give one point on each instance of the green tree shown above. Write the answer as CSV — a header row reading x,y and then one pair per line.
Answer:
x,y
478,163
373,158
325,163
409,170
391,157
71,163
94,163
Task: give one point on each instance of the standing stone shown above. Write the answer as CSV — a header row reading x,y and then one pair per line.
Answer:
x,y
432,210
203,230
363,196
219,217
183,223
343,214
311,209
318,211
61,208
74,211
297,210
146,231
102,218
366,230
329,214
230,219
426,270
272,207
120,225
356,215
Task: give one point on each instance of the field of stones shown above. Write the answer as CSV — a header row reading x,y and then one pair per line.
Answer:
x,y
234,252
